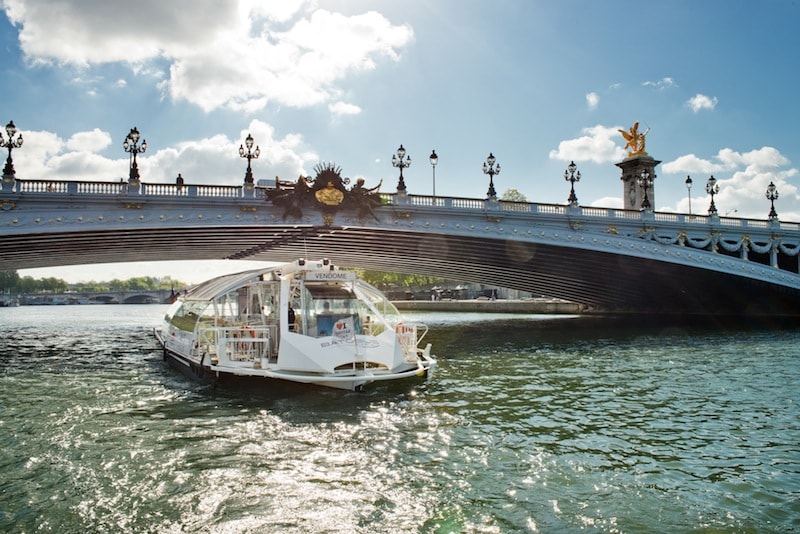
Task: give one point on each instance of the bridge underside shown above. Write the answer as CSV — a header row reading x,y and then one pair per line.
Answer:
x,y
603,281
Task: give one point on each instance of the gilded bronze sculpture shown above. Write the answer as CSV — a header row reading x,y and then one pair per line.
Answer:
x,y
634,140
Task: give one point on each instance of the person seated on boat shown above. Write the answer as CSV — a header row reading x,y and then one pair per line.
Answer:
x,y
357,323
292,324
325,320
367,326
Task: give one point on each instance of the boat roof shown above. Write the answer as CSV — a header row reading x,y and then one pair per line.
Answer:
x,y
220,285
210,289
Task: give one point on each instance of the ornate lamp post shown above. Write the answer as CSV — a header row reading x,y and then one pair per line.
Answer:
x,y
572,176
712,188
131,146
645,182
772,195
250,154
401,161
434,160
689,190
491,168
11,144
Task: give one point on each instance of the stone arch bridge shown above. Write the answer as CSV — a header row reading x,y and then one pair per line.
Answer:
x,y
611,260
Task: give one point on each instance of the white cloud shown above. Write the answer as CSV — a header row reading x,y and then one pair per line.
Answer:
x,y
236,54
743,178
275,11
592,100
690,163
210,160
595,145
85,32
663,83
727,159
93,141
343,108
608,202
700,101
215,160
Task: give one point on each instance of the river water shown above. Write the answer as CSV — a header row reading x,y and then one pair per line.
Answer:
x,y
530,424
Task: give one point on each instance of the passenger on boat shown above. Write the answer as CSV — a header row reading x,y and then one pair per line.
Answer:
x,y
325,320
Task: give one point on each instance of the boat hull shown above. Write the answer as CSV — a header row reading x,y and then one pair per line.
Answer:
x,y
210,374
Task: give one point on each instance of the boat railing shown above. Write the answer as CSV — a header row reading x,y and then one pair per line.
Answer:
x,y
236,345
409,336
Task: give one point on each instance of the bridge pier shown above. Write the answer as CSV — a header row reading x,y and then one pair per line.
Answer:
x,y
633,191
8,183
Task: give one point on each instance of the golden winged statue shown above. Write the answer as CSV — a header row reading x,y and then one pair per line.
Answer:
x,y
635,140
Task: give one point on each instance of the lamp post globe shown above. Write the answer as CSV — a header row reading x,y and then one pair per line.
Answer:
x,y
572,175
712,188
492,168
11,144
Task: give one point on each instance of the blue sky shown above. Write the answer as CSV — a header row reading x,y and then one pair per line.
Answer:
x,y
537,83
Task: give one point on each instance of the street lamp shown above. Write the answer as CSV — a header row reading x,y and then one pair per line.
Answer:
x,y
712,188
772,194
571,176
689,190
491,168
250,154
401,161
131,146
12,143
645,182
434,160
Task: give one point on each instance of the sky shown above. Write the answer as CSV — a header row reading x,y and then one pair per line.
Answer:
x,y
536,83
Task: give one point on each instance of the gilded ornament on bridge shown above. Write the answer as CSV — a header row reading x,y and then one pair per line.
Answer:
x,y
634,140
329,195
327,192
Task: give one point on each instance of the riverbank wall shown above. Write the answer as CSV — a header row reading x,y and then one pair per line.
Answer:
x,y
543,306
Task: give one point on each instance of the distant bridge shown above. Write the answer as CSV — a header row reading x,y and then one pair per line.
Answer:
x,y
610,259
142,296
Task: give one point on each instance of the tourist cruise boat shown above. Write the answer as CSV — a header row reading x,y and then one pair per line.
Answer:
x,y
306,322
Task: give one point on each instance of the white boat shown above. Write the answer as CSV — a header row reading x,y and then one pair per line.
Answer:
x,y
306,322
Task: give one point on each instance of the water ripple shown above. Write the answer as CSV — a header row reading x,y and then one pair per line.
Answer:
x,y
522,428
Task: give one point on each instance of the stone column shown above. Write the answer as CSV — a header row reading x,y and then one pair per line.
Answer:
x,y
632,192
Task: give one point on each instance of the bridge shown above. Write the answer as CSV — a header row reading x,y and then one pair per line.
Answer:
x,y
141,296
611,260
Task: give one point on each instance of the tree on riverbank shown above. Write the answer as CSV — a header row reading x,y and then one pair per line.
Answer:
x,y
12,283
385,280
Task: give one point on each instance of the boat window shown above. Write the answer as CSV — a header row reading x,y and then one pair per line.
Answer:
x,y
186,315
329,307
379,302
249,304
